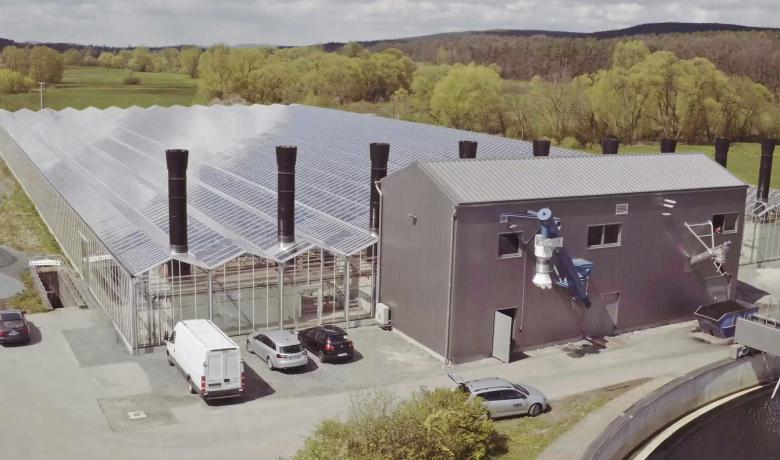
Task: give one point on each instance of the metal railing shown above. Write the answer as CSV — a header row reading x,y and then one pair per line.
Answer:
x,y
761,233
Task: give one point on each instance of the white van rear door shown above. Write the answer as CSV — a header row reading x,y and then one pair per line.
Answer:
x,y
223,371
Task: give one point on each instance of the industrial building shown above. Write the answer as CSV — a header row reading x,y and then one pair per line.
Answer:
x,y
217,247
494,256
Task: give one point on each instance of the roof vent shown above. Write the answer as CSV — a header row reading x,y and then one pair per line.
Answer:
x,y
610,146
621,208
467,149
541,147
721,150
765,169
668,145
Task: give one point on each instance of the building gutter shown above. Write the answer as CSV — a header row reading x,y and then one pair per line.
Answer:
x,y
448,332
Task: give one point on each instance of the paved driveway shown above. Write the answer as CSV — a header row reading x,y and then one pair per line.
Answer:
x,y
68,395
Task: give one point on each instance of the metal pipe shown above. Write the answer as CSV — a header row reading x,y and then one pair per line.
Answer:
x,y
467,149
610,146
285,194
448,332
541,147
380,153
765,169
668,145
722,150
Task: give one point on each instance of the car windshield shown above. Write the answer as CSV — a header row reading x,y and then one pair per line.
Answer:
x,y
291,349
522,390
12,316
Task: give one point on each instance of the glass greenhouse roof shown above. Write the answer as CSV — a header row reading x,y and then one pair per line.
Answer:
x,y
109,165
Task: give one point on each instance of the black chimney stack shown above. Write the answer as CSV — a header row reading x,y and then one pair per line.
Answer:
x,y
765,170
609,146
721,150
668,145
176,159
285,193
467,149
541,147
380,153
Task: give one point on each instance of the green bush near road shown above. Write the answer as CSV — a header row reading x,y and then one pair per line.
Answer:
x,y
431,425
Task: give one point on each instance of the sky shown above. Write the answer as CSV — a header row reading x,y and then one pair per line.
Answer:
x,y
303,22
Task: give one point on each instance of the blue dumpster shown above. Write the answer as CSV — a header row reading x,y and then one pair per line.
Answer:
x,y
720,319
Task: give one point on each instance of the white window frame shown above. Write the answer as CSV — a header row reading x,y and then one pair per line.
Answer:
x,y
603,231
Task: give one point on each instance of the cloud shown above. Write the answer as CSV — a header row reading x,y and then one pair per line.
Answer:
x,y
298,22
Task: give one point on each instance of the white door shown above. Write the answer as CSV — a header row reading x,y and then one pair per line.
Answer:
x,y
502,336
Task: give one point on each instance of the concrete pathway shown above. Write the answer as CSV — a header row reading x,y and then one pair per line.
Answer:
x,y
65,395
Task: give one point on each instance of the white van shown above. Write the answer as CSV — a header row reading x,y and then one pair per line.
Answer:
x,y
207,357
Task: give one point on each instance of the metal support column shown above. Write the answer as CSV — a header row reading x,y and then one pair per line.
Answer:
x,y
211,294
134,314
346,290
280,281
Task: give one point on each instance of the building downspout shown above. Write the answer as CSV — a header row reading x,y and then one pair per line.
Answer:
x,y
210,279
453,234
378,256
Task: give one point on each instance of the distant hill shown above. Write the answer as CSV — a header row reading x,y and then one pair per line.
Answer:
x,y
658,28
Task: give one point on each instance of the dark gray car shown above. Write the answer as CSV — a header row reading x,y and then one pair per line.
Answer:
x,y
13,327
504,398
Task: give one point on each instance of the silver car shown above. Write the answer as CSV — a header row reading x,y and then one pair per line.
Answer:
x,y
504,398
280,349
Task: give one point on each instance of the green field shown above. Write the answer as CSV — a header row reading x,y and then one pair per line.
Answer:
x,y
85,87
743,158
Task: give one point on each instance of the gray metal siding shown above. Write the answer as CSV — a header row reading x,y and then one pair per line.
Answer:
x,y
649,269
415,259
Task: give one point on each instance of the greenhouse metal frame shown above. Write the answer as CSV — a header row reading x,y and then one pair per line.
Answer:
x,y
97,178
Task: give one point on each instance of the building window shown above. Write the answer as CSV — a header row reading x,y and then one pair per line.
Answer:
x,y
510,245
725,223
604,236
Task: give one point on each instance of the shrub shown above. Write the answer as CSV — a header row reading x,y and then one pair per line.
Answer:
x,y
12,82
570,142
131,79
438,424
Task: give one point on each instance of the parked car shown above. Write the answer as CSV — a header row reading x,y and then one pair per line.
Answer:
x,y
280,349
14,327
504,398
208,358
329,343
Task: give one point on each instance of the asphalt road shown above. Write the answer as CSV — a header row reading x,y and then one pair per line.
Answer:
x,y
67,395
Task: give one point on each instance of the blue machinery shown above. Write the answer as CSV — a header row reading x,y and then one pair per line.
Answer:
x,y
572,274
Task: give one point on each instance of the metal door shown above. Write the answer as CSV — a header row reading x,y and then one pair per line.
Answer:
x,y
502,336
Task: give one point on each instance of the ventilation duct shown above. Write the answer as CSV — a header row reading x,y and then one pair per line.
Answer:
x,y
541,147
721,150
379,153
610,146
765,170
467,149
285,193
668,145
176,160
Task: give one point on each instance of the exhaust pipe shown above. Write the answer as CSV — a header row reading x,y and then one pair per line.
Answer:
x,y
467,149
610,146
765,170
668,145
721,150
285,195
379,153
176,162
541,147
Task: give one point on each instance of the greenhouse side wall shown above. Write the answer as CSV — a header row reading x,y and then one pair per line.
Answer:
x,y
106,280
252,293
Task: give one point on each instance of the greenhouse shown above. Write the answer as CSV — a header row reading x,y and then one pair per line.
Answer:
x,y
98,179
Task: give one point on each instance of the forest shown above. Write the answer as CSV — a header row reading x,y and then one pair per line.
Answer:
x,y
571,90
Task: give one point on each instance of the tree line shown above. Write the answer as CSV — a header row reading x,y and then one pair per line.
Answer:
x,y
641,95
753,54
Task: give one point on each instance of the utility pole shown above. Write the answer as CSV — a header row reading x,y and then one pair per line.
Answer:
x,y
43,104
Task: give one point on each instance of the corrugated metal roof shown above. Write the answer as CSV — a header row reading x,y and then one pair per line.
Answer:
x,y
483,181
110,167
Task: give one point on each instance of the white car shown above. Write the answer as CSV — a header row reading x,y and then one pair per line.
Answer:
x,y
208,358
503,398
278,348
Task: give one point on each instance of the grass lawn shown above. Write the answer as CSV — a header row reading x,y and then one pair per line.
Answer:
x,y
743,158
22,229
527,437
84,87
